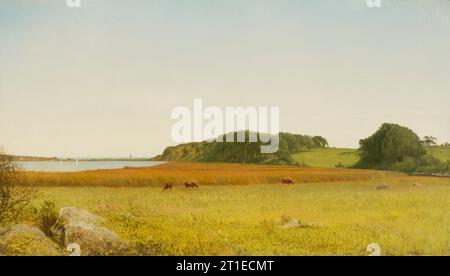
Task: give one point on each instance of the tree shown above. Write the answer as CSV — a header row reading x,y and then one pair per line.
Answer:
x,y
14,200
429,140
390,144
320,142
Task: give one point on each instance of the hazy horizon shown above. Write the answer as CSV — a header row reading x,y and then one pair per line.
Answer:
x,y
101,80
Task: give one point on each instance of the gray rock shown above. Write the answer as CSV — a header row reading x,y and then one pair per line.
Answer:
x,y
85,229
295,223
24,240
291,224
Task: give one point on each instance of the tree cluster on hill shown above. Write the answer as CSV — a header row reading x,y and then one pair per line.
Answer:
x,y
243,152
391,147
394,147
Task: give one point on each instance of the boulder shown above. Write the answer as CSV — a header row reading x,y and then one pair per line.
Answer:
x,y
291,224
295,223
78,226
24,240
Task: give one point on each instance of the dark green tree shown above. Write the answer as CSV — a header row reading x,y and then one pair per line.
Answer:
x,y
429,140
390,144
394,147
320,142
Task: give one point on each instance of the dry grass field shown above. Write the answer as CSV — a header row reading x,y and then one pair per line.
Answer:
x,y
201,173
239,209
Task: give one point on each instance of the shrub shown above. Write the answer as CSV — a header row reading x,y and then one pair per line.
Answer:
x,y
14,200
47,217
423,164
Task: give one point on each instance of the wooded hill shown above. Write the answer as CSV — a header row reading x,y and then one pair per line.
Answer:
x,y
243,152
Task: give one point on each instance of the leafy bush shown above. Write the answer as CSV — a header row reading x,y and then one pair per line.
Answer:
x,y
424,164
14,200
47,216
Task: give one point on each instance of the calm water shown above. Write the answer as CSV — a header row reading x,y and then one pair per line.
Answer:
x,y
72,166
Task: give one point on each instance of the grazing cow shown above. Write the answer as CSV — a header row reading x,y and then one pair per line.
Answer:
x,y
167,186
383,187
190,185
287,181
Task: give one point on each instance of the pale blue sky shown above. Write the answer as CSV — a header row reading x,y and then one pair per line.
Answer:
x,y
101,80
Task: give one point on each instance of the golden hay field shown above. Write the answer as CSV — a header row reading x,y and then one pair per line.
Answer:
x,y
239,209
201,173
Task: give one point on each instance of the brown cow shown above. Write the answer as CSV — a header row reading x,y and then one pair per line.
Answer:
x,y
287,181
190,185
167,186
187,185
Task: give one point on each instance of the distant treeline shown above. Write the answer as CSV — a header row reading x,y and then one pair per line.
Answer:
x,y
243,152
31,158
391,147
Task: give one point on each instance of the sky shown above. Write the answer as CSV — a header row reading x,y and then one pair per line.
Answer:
x,y
102,79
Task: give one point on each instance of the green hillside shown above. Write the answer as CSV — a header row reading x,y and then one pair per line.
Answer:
x,y
294,149
327,157
440,152
330,157
243,152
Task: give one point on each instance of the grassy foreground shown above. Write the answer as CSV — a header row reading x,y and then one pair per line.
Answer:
x,y
339,217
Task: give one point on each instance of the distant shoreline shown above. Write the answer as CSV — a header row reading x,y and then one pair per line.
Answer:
x,y
56,159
